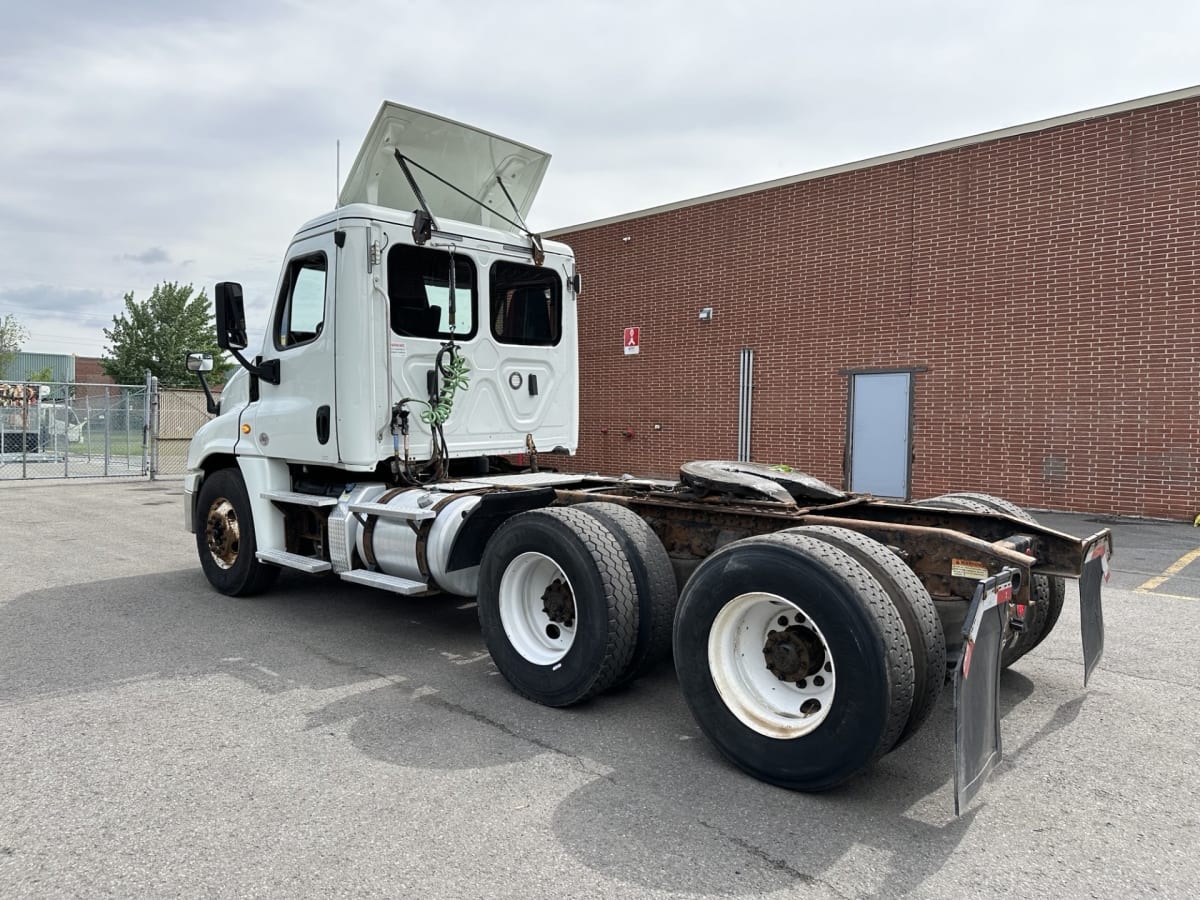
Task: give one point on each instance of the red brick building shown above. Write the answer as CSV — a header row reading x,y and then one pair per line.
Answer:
x,y
90,370
1036,288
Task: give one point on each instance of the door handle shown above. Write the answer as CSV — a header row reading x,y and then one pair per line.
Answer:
x,y
323,424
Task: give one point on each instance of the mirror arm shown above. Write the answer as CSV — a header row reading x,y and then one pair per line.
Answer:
x,y
211,405
268,371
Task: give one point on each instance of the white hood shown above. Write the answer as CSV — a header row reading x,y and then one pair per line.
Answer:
x,y
467,157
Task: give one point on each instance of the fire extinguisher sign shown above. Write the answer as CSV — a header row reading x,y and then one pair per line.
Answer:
x,y
632,339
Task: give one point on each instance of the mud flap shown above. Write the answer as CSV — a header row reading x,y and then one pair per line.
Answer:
x,y
977,688
1091,614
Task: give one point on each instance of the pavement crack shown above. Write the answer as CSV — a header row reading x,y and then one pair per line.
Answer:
x,y
353,666
779,865
483,719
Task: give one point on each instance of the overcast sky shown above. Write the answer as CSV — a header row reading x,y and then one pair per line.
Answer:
x,y
150,140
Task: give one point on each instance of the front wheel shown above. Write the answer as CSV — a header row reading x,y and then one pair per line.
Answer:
x,y
225,537
793,660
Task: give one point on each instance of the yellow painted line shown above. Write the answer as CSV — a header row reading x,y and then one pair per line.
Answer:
x,y
1168,596
1174,569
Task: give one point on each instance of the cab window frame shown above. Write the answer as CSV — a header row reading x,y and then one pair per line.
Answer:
x,y
410,266
506,277
282,331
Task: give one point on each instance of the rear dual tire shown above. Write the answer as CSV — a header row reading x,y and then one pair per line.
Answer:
x,y
653,580
558,605
1048,591
912,601
794,660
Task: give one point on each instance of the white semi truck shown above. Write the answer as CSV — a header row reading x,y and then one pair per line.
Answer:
x,y
418,369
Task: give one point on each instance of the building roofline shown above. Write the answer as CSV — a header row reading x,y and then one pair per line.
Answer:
x,y
999,134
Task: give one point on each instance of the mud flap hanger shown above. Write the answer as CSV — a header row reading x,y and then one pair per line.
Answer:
x,y
977,745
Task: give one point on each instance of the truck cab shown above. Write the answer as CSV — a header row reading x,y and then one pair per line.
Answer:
x,y
419,332
365,304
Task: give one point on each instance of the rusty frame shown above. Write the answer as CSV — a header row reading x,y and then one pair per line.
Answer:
x,y
938,544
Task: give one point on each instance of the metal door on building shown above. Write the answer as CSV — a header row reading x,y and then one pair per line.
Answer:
x,y
879,438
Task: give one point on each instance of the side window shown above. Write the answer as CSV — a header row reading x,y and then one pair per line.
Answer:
x,y
419,292
526,304
301,313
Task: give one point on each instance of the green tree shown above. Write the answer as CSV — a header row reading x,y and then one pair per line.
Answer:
x,y
12,336
156,334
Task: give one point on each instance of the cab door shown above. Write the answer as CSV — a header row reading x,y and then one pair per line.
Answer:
x,y
294,419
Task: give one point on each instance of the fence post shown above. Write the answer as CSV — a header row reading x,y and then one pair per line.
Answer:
x,y
155,412
67,410
24,434
146,425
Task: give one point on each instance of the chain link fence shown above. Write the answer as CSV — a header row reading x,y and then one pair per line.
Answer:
x,y
69,430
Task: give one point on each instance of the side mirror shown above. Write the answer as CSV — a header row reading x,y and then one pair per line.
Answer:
x,y
199,362
575,282
231,317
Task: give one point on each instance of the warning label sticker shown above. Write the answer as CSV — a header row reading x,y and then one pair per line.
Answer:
x,y
968,568
632,339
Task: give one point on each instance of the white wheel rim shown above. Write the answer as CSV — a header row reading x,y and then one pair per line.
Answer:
x,y
540,639
759,697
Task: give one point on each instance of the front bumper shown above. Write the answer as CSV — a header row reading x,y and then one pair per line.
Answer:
x,y
191,486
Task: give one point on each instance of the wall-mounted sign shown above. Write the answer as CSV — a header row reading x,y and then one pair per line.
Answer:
x,y
632,339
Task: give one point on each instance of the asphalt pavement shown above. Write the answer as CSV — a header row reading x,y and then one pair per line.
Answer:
x,y
327,740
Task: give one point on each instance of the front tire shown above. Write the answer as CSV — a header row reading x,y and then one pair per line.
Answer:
x,y
793,660
557,605
225,537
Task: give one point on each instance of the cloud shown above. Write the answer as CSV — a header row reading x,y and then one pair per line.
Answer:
x,y
149,257
209,128
49,299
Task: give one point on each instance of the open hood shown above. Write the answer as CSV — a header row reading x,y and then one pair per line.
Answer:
x,y
466,157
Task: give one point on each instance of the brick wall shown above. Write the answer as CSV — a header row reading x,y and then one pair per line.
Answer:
x,y
88,370
1047,284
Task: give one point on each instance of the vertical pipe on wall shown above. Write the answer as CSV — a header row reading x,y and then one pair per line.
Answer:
x,y
745,401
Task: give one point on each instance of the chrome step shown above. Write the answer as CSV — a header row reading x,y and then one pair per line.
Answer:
x,y
299,499
391,512
309,564
387,582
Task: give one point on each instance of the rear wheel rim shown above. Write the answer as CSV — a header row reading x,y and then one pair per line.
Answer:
x,y
771,665
538,609
222,533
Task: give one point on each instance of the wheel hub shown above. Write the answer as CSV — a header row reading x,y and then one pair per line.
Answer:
x,y
772,665
221,533
793,654
558,603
